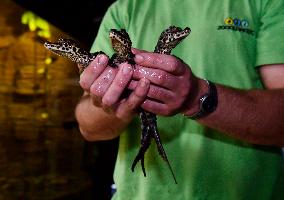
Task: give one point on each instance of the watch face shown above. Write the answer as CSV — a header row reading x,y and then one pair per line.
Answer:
x,y
208,104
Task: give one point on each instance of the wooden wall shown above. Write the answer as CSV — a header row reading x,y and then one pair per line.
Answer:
x,y
41,150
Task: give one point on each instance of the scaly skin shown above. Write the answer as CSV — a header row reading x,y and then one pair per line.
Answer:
x,y
121,44
168,40
70,49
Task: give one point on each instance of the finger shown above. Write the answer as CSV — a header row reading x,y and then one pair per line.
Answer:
x,y
156,107
156,93
156,76
136,51
118,85
102,83
92,72
129,106
168,63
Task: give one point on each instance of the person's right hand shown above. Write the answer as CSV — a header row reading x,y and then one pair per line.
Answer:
x,y
106,84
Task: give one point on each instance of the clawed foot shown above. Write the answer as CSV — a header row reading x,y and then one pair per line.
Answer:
x,y
148,132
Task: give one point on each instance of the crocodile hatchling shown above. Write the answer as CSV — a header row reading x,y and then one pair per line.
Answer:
x,y
121,44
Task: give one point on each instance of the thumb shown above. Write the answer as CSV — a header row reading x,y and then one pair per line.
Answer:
x,y
136,51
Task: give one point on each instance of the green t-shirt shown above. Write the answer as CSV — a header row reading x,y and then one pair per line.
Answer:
x,y
229,39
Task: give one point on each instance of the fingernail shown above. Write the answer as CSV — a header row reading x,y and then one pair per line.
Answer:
x,y
102,59
144,83
139,58
126,70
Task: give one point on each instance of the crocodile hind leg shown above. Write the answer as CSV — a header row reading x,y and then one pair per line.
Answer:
x,y
149,131
145,142
152,122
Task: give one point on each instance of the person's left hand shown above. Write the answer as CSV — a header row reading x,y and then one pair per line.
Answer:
x,y
173,86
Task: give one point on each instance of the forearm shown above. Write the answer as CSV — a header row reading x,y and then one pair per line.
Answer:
x,y
255,116
96,124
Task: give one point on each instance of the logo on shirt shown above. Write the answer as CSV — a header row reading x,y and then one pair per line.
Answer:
x,y
235,24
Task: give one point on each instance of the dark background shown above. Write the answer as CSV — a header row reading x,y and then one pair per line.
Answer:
x,y
79,18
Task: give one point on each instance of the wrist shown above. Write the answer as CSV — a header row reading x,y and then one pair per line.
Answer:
x,y
198,88
207,101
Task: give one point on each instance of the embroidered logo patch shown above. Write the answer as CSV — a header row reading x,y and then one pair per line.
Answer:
x,y
236,24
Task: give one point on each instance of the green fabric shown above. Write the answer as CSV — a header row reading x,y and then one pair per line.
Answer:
x,y
207,164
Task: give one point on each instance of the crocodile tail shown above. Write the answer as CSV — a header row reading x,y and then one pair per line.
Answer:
x,y
155,134
149,122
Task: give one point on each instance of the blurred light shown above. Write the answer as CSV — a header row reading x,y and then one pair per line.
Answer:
x,y
44,115
36,23
48,61
41,71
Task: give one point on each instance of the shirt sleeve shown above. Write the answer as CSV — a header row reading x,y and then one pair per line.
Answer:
x,y
115,18
270,37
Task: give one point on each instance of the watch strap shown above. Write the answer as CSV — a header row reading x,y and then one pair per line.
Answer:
x,y
208,102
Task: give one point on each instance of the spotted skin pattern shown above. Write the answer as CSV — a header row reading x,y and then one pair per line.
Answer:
x,y
167,41
121,44
70,49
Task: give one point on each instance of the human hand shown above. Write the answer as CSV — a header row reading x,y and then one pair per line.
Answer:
x,y
173,87
106,84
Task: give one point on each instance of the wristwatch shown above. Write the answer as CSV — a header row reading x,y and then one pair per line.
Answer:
x,y
208,102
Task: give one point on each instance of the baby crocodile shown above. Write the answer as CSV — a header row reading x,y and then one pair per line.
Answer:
x,y
121,44
167,41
